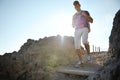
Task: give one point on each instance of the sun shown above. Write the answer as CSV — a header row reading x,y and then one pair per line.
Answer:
x,y
63,22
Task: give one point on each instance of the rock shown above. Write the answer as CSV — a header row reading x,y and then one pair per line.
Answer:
x,y
38,59
111,69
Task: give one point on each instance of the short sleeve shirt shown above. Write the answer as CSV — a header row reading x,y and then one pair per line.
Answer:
x,y
79,21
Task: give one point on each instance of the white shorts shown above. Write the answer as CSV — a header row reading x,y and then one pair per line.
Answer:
x,y
80,33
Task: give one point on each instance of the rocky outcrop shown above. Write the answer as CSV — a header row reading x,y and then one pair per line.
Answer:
x,y
111,69
115,36
38,59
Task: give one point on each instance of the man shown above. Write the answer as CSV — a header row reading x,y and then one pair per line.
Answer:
x,y
80,22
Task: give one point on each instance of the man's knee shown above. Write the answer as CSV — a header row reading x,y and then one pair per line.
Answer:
x,y
86,43
78,51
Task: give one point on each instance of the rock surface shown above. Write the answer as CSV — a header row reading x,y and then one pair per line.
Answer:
x,y
111,69
38,59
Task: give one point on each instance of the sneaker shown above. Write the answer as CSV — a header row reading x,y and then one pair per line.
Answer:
x,y
79,64
89,58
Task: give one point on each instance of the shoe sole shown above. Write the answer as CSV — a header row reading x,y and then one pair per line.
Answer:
x,y
81,65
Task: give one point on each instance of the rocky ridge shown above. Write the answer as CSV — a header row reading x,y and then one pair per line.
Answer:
x,y
38,59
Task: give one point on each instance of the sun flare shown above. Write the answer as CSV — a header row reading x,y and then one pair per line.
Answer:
x,y
63,23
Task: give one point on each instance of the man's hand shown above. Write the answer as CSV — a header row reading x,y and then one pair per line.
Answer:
x,y
88,17
89,30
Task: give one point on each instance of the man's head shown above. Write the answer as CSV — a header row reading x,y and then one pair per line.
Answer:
x,y
77,5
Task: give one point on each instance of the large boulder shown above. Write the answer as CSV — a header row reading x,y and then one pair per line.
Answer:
x,y
38,59
111,68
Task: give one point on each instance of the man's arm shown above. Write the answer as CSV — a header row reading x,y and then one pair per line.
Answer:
x,y
73,24
90,19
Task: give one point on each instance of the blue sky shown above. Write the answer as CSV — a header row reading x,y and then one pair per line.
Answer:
x,y
33,19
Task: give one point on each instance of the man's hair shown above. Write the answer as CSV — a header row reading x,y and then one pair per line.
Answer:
x,y
76,2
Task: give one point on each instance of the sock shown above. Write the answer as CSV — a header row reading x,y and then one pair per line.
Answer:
x,y
89,58
80,62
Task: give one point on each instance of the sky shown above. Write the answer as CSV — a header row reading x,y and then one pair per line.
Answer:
x,y
21,20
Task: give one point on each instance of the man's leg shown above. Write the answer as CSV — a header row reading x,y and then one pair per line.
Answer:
x,y
79,53
80,62
86,43
77,40
88,51
87,48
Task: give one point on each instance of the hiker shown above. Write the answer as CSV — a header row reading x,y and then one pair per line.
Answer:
x,y
81,22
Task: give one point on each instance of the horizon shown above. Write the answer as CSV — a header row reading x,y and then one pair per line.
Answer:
x,y
33,19
96,48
